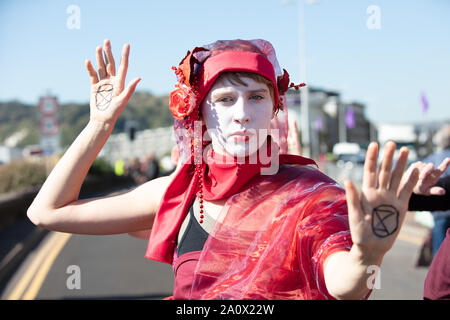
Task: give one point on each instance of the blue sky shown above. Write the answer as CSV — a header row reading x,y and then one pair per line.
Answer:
x,y
386,68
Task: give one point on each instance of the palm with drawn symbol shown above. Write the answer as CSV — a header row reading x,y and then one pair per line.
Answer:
x,y
377,213
108,93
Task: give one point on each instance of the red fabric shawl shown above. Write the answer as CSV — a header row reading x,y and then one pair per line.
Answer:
x,y
272,239
222,177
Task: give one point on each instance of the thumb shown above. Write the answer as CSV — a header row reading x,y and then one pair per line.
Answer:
x,y
129,90
355,212
437,191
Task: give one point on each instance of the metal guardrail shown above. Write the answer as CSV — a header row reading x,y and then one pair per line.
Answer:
x,y
159,141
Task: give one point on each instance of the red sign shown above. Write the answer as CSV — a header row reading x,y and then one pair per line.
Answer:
x,y
48,125
48,105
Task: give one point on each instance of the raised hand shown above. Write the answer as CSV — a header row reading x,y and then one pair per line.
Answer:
x,y
428,177
108,95
376,216
294,145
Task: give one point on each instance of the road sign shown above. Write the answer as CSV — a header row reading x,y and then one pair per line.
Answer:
x,y
48,125
49,144
48,105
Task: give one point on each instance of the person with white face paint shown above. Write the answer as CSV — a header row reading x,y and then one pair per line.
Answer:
x,y
241,217
236,114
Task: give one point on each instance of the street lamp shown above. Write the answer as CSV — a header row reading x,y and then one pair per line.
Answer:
x,y
304,92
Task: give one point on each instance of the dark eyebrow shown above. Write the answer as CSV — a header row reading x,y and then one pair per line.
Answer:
x,y
228,91
259,90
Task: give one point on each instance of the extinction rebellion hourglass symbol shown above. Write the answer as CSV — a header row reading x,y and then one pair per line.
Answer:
x,y
384,220
103,96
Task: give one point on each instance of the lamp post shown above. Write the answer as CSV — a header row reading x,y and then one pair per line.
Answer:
x,y
304,92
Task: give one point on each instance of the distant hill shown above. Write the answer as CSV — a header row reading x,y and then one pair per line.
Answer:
x,y
148,110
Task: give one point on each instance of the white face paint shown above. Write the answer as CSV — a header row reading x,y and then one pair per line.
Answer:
x,y
230,108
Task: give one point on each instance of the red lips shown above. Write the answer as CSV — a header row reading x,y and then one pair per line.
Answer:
x,y
241,138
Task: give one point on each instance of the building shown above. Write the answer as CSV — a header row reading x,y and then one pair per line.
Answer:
x,y
331,120
362,131
9,154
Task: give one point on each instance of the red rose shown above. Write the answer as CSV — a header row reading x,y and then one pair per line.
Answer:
x,y
177,105
181,103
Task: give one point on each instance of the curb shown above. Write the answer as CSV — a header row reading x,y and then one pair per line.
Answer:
x,y
16,255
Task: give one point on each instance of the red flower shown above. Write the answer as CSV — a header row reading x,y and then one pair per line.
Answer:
x,y
187,66
181,103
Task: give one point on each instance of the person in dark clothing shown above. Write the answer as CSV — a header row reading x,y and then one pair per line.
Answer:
x,y
437,282
441,218
420,202
150,167
429,195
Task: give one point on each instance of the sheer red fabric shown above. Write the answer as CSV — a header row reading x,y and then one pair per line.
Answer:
x,y
222,177
272,239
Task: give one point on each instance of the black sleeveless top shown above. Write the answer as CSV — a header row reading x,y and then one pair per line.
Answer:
x,y
194,236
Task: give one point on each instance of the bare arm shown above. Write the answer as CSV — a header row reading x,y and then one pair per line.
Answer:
x,y
347,274
56,206
124,213
375,219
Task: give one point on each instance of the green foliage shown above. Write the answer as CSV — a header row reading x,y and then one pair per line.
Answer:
x,y
15,116
19,175
100,167
149,111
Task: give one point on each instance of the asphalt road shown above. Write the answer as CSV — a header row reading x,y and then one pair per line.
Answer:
x,y
400,279
96,267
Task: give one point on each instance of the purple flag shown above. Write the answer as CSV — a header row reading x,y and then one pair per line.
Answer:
x,y
318,125
424,101
350,118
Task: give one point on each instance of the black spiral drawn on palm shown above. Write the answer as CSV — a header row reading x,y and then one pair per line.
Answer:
x,y
384,220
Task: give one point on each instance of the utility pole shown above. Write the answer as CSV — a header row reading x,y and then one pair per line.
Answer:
x,y
342,126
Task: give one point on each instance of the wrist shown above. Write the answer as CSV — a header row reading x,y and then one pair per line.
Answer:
x,y
101,125
365,257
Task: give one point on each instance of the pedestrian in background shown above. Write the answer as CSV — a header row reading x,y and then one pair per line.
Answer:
x,y
150,167
431,193
441,217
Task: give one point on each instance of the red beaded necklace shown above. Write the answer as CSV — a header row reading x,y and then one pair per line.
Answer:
x,y
196,145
